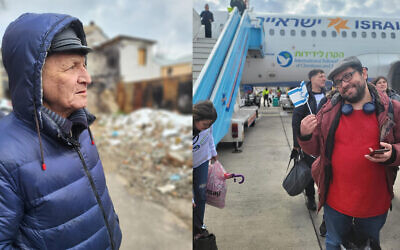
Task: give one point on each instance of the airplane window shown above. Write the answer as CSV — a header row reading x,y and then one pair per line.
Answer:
x,y
364,34
373,34
393,35
383,35
334,34
354,34
303,33
271,32
323,33
344,34
282,32
313,33
292,32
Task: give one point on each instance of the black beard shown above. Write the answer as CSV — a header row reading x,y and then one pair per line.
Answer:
x,y
359,95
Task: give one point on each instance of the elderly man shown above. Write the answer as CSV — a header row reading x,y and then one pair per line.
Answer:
x,y
355,185
52,185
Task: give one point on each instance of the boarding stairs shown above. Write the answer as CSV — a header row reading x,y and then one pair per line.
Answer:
x,y
218,66
202,48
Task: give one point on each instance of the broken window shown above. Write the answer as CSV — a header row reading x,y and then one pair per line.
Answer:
x,y
142,56
169,71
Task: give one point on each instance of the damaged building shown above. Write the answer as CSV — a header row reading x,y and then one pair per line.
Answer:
x,y
126,75
125,69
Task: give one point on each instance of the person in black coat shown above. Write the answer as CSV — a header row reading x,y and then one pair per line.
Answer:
x,y
240,4
206,19
316,91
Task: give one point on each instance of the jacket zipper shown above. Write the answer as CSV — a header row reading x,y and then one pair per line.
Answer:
x,y
76,147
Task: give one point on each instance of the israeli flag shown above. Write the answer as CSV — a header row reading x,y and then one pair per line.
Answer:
x,y
299,95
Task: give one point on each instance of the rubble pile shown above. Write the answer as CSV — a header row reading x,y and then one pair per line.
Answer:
x,y
151,149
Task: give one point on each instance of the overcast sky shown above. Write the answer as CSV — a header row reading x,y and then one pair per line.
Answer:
x,y
357,8
169,22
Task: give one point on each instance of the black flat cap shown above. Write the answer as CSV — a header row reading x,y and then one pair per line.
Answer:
x,y
350,61
68,41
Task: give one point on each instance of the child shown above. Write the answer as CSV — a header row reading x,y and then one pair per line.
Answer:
x,y
204,115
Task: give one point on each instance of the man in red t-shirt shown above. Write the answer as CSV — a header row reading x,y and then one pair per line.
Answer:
x,y
355,188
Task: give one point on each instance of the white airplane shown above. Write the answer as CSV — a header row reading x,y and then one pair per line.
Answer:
x,y
297,44
292,45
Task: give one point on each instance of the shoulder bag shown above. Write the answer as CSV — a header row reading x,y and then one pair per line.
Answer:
x,y
298,177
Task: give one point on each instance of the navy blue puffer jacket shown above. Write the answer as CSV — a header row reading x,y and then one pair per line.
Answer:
x,y
66,206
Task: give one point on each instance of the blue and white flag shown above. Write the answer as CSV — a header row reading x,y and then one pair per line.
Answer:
x,y
299,95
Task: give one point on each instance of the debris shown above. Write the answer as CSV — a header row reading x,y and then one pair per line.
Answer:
x,y
175,177
175,159
151,149
166,188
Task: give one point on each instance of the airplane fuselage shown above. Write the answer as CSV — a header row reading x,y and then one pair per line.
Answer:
x,y
297,44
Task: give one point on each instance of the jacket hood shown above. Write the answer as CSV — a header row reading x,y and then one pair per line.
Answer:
x,y
25,45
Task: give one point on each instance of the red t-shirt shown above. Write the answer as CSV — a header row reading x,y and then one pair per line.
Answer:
x,y
358,186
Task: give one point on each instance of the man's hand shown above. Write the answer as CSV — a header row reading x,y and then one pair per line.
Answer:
x,y
214,159
381,157
308,124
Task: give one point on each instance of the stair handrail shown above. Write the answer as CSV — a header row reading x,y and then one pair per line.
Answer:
x,y
224,94
216,59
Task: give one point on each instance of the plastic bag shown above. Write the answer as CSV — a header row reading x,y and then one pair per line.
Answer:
x,y
216,185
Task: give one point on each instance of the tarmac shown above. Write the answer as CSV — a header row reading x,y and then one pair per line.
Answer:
x,y
259,214
146,225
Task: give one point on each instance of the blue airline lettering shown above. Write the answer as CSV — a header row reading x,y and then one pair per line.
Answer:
x,y
388,25
285,22
365,25
311,22
377,25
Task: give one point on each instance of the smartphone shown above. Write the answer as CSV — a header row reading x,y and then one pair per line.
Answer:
x,y
379,151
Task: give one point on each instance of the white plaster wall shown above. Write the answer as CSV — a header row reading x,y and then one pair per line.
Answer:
x,y
196,24
96,62
95,38
130,69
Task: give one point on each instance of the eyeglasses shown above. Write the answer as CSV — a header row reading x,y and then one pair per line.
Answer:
x,y
346,77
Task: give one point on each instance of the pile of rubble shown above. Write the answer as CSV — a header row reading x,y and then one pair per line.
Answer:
x,y
151,149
